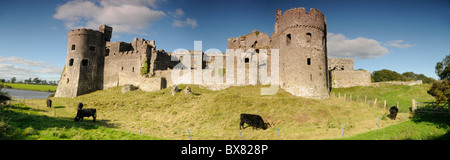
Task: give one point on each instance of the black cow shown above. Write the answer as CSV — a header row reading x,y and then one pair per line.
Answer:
x,y
393,110
80,105
49,103
81,113
253,120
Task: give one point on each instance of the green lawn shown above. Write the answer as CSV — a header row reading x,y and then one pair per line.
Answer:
x,y
19,122
34,87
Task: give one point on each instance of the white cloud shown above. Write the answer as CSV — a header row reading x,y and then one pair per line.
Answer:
x,y
178,13
359,48
188,22
21,61
398,44
22,68
125,16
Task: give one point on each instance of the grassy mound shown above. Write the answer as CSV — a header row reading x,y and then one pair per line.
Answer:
x,y
215,114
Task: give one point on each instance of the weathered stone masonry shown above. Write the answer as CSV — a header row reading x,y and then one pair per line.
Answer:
x,y
94,63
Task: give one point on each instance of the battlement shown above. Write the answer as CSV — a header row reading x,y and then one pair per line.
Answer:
x,y
298,17
84,31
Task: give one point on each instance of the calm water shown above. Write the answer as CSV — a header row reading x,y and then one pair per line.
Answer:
x,y
16,93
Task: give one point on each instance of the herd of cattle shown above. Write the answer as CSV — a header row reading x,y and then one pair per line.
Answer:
x,y
252,120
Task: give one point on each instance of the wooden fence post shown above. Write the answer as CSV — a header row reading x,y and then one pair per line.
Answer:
x,y
384,105
414,106
375,102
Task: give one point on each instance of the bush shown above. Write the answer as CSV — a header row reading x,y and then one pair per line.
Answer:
x,y
4,127
145,69
440,91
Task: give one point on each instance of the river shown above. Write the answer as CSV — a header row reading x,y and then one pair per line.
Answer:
x,y
20,94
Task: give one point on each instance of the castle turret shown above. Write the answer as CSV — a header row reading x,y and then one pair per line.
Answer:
x,y
300,37
83,71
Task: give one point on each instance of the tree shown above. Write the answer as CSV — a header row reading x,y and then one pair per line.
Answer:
x,y
13,80
387,75
440,91
36,80
412,76
443,68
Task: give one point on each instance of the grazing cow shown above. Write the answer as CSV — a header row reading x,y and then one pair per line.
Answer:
x,y
80,105
49,103
81,113
253,120
393,110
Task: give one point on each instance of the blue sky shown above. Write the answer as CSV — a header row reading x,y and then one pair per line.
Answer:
x,y
400,35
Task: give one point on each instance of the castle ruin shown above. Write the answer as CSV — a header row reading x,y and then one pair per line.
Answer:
x,y
95,63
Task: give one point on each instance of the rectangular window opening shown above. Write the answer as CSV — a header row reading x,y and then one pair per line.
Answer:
x,y
85,62
308,61
288,39
92,48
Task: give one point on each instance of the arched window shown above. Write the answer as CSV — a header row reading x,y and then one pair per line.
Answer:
x,y
71,62
73,47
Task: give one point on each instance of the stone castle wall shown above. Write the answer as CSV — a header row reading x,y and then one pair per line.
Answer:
x,y
341,64
347,78
299,35
301,39
84,63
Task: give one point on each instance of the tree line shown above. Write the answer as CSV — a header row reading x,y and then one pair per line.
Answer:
x,y
30,81
388,75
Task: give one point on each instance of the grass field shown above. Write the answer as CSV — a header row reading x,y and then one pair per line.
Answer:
x,y
421,127
24,123
391,93
215,114
33,87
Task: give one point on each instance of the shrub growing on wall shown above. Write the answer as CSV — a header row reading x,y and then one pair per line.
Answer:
x,y
145,68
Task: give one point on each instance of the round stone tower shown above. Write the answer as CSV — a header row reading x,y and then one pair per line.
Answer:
x,y
83,72
300,37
